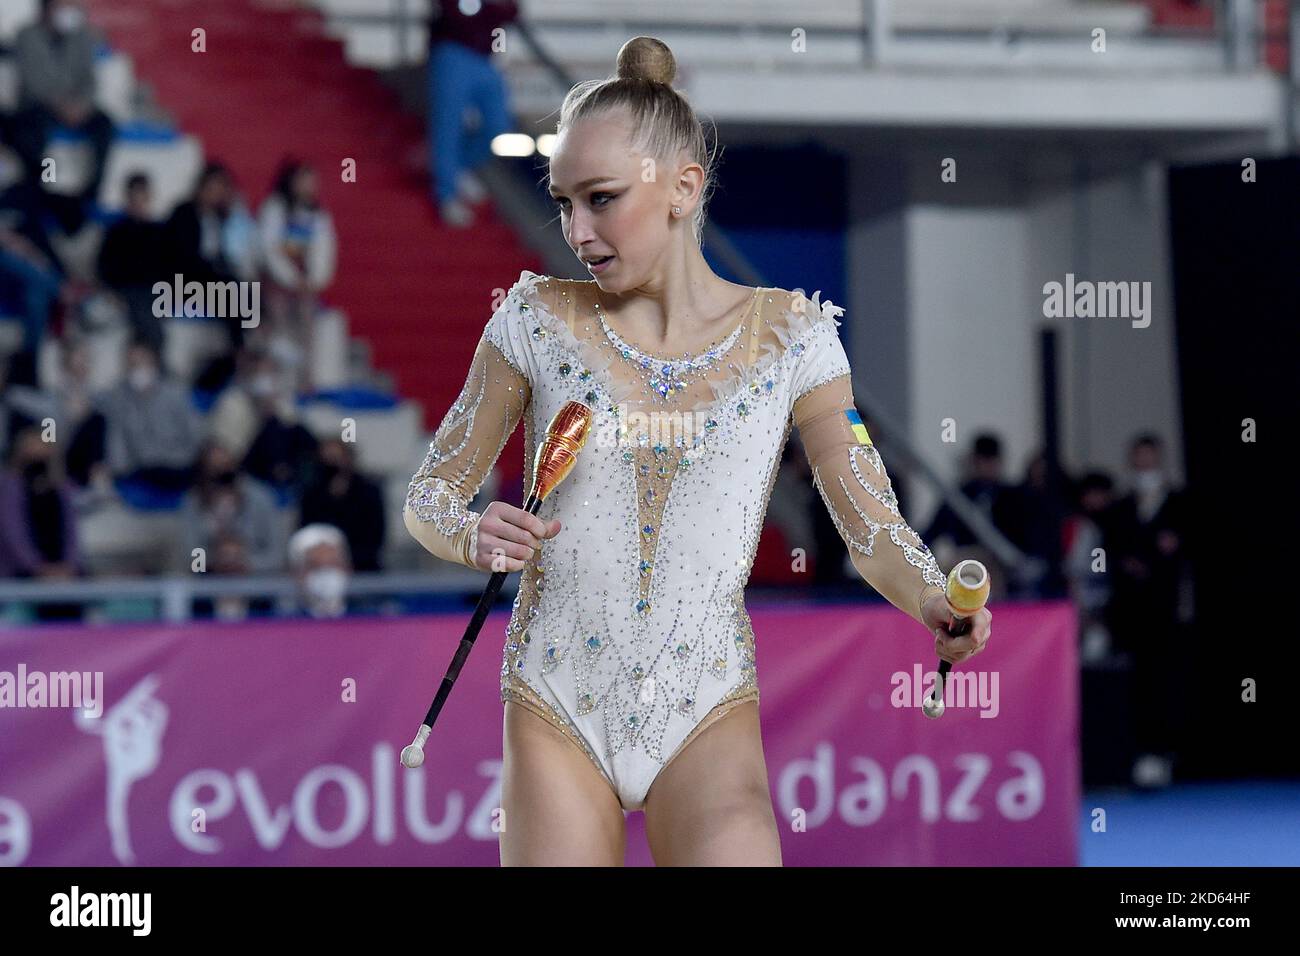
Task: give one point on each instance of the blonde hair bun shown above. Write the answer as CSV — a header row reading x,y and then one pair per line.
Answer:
x,y
646,58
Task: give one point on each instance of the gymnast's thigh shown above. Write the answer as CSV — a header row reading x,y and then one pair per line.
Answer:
x,y
558,809
711,805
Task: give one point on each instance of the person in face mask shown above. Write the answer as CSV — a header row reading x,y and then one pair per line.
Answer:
x,y
217,487
142,374
66,16
56,78
152,429
349,501
227,503
236,417
1149,482
229,557
318,558
38,534
1147,558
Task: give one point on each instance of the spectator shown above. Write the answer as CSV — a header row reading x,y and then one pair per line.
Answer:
x,y
31,276
78,417
282,450
235,420
299,248
152,429
1087,531
1149,527
229,557
350,502
1034,519
225,503
318,558
15,397
133,258
212,239
461,73
22,208
38,530
985,488
949,536
1086,564
56,87
23,405
78,427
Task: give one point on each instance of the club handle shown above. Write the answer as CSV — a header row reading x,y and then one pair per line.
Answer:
x,y
413,755
966,592
957,626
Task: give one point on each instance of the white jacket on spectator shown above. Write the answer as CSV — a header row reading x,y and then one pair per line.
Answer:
x,y
234,421
309,231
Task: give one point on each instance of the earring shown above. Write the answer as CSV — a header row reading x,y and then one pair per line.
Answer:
x,y
677,210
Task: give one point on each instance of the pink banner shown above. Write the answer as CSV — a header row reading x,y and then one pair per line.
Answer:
x,y
276,743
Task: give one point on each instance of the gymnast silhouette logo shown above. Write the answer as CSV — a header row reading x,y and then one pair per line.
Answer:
x,y
132,730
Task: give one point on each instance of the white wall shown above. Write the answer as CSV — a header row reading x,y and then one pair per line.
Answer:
x,y
1117,380
946,303
972,336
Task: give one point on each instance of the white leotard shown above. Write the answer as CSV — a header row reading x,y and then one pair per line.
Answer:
x,y
629,631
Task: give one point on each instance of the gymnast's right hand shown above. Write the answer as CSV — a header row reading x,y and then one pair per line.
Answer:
x,y
508,537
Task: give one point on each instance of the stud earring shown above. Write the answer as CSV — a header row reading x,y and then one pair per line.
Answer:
x,y
677,210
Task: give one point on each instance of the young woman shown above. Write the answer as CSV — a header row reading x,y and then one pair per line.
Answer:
x,y
300,252
629,637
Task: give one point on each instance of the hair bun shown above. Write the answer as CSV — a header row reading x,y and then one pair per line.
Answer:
x,y
645,58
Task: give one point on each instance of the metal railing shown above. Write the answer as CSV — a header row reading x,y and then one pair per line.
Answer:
x,y
885,27
174,596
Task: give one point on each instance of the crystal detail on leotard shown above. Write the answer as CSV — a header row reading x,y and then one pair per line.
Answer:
x,y
661,525
914,550
667,377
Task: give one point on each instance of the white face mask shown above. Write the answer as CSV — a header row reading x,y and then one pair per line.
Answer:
x,y
327,586
142,377
1148,480
67,19
231,608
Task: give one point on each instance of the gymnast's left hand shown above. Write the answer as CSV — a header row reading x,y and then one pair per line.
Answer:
x,y
935,612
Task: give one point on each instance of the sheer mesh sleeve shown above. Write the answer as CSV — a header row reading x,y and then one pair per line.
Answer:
x,y
470,438
851,477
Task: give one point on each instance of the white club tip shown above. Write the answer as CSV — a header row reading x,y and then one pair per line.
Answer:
x,y
971,573
933,707
413,755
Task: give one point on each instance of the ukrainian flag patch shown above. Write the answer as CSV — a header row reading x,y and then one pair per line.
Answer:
x,y
855,424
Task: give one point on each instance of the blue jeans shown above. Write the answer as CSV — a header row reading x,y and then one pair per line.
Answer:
x,y
458,77
37,289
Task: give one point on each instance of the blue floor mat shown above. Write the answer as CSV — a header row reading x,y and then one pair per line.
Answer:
x,y
1248,823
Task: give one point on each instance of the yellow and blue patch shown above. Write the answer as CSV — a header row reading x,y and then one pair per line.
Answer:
x,y
856,426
